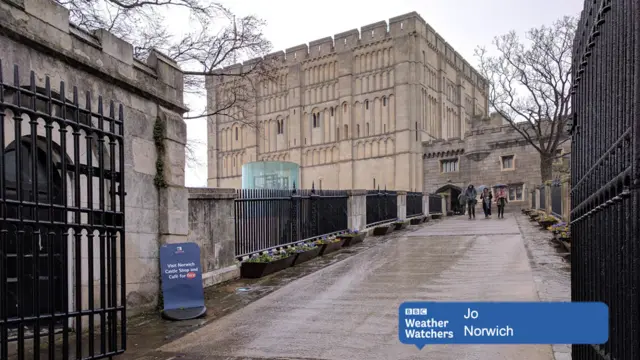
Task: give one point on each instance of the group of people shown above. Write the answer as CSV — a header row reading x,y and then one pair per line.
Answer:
x,y
468,200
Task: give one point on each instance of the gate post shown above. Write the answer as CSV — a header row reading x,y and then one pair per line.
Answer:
x,y
313,199
566,199
425,203
357,209
547,196
537,195
295,204
402,205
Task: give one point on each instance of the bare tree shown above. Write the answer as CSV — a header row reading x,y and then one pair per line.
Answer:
x,y
215,39
530,83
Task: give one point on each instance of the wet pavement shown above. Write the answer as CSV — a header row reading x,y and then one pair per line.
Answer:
x,y
551,269
348,309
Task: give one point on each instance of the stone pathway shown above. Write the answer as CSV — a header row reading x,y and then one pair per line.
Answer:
x,y
349,309
551,272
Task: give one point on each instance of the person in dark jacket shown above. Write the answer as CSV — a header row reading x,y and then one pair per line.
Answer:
x,y
486,198
462,202
471,195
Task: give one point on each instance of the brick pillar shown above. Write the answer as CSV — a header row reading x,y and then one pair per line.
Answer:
x,y
357,209
425,204
402,205
444,205
212,227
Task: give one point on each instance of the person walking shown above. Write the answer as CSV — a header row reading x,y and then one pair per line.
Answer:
x,y
462,201
486,198
501,201
471,195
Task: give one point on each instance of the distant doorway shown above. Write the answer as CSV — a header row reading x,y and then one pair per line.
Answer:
x,y
452,192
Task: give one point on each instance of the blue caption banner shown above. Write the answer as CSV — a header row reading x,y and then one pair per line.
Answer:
x,y
427,323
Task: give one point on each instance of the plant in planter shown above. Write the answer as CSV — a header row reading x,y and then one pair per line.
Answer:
x,y
564,236
401,224
558,227
546,220
384,229
352,237
328,244
259,265
304,252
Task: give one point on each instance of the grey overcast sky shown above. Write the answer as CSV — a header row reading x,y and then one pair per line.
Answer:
x,y
465,24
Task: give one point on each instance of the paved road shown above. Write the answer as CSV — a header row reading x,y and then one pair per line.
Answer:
x,y
349,310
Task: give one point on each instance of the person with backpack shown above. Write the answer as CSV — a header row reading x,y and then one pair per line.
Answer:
x,y
471,195
462,202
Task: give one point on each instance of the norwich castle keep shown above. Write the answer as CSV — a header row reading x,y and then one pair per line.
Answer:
x,y
353,110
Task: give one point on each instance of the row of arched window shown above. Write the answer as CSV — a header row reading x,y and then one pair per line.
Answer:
x,y
373,60
321,72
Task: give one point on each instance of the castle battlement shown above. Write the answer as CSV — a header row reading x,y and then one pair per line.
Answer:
x,y
45,23
398,26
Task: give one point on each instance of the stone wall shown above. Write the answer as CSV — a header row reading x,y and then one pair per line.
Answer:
x,y
479,158
212,227
37,35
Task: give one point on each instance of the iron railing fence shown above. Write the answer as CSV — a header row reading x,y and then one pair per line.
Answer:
x,y
414,204
542,203
382,206
556,199
533,199
435,204
62,211
605,198
267,219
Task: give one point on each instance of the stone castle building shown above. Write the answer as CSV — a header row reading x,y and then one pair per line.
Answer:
x,y
353,110
490,152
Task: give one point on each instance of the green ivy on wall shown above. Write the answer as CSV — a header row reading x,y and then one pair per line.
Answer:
x,y
159,128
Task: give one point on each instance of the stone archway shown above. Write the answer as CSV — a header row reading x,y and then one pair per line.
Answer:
x,y
451,192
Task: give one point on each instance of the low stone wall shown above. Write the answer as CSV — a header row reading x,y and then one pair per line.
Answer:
x,y
212,227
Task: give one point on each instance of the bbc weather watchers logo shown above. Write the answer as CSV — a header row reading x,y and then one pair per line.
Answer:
x,y
179,250
415,311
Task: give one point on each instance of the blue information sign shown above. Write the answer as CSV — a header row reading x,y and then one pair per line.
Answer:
x,y
182,281
426,323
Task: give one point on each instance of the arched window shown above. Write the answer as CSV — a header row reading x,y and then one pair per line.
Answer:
x,y
374,183
367,129
344,107
358,130
384,101
19,180
346,132
236,133
338,134
331,111
366,104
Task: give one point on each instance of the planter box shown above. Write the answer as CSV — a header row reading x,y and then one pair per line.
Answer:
x,y
401,225
253,270
383,230
329,248
417,220
546,224
436,216
350,240
305,256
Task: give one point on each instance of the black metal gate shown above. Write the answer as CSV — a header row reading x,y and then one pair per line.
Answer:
x,y
605,259
62,278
